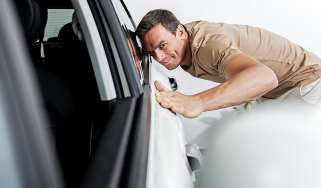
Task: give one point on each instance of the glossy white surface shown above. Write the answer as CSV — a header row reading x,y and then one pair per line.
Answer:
x,y
267,148
197,129
168,166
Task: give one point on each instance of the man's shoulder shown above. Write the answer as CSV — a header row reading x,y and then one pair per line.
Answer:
x,y
190,25
201,31
207,35
194,26
198,25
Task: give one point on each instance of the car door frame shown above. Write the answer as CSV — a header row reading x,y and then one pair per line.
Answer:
x,y
121,156
37,165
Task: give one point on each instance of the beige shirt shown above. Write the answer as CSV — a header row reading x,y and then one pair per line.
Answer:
x,y
213,45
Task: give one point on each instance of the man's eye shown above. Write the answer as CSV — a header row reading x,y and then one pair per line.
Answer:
x,y
162,46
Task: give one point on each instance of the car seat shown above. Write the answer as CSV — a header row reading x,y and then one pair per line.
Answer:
x,y
67,85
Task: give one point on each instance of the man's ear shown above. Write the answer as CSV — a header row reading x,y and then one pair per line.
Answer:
x,y
181,32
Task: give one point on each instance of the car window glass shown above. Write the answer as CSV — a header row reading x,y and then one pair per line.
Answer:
x,y
9,175
90,34
56,19
133,41
135,51
64,41
122,15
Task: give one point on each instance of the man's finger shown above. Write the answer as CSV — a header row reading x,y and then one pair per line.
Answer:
x,y
158,97
160,87
165,104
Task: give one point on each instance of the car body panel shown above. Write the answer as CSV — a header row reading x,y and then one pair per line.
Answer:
x,y
168,165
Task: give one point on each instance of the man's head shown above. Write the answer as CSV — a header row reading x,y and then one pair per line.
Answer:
x,y
163,37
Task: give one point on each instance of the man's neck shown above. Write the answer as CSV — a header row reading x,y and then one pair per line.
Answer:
x,y
187,59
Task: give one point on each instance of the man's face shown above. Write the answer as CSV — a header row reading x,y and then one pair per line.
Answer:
x,y
168,49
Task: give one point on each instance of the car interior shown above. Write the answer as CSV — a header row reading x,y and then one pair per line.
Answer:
x,y
67,84
92,137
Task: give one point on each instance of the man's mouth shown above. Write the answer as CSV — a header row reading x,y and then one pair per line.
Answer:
x,y
167,61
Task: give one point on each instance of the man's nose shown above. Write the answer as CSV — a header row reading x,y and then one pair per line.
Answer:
x,y
159,55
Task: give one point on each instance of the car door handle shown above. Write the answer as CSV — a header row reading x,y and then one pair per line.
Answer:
x,y
194,156
173,83
195,160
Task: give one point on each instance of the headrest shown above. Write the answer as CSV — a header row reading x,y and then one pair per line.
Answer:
x,y
71,31
66,33
33,18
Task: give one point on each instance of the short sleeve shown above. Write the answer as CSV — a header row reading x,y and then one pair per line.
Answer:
x,y
216,51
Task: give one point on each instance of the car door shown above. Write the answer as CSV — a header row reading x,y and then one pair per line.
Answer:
x,y
121,139
157,151
167,161
105,143
26,156
122,123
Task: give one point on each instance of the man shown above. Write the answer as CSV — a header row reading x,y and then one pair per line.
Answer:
x,y
250,62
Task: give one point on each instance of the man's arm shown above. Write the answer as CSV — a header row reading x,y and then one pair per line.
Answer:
x,y
248,80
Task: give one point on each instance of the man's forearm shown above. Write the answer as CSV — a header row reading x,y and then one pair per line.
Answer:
x,y
247,85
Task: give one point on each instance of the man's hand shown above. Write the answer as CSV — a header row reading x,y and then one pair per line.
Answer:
x,y
188,106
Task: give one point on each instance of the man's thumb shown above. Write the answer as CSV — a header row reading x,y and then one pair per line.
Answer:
x,y
160,87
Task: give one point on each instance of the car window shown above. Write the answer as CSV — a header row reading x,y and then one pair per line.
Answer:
x,y
122,15
57,18
133,42
64,37
136,54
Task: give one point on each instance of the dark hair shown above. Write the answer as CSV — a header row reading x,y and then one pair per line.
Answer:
x,y
155,17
